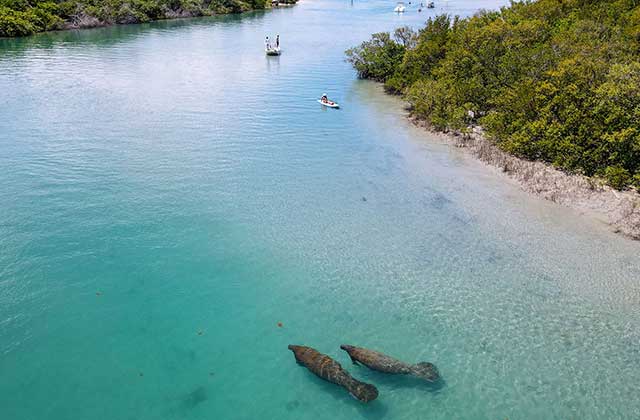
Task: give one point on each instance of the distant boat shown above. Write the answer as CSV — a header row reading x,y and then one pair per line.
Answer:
x,y
431,5
272,49
399,8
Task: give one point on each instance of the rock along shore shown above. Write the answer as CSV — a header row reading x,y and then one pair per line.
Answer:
x,y
619,209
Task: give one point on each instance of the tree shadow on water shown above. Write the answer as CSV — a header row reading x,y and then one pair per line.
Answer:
x,y
116,34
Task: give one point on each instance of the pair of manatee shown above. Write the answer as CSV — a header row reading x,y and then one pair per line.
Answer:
x,y
330,370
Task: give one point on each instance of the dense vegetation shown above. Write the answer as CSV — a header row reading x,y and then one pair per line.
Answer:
x,y
550,80
25,17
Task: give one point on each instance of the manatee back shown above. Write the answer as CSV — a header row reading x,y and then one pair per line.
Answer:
x,y
330,370
380,361
303,354
320,364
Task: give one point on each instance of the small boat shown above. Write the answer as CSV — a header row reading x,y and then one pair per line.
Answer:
x,y
399,8
431,5
328,103
272,49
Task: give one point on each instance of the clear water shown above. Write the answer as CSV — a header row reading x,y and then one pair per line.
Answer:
x,y
168,195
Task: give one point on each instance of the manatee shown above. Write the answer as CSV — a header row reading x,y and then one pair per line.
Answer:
x,y
330,370
383,363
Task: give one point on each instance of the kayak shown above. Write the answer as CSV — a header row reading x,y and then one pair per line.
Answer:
x,y
330,104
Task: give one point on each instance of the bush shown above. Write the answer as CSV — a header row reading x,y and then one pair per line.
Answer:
x,y
25,17
617,177
14,23
44,17
550,80
378,58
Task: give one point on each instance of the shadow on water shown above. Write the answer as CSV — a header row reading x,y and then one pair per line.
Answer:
x,y
179,406
376,409
437,200
194,398
273,64
385,380
404,381
115,34
372,410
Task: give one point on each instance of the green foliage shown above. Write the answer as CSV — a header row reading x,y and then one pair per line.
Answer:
x,y
25,17
550,80
617,176
21,19
230,6
14,23
378,58
429,48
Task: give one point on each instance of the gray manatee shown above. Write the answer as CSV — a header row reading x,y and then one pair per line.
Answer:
x,y
383,363
330,370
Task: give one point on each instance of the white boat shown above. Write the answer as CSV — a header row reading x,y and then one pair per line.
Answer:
x,y
272,51
399,8
329,103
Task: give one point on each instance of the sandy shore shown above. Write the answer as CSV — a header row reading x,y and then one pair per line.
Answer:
x,y
619,209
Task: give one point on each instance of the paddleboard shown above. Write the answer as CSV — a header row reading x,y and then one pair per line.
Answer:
x,y
329,104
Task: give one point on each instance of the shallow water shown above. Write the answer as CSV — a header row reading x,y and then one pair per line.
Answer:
x,y
168,195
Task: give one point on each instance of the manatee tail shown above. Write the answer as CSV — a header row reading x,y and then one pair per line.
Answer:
x,y
362,391
426,371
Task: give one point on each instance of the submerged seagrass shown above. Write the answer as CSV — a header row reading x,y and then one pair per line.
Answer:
x,y
330,370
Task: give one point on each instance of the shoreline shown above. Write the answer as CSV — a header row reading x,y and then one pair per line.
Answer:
x,y
618,209
82,20
90,22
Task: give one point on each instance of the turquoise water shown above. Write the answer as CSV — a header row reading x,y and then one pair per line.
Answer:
x,y
168,195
